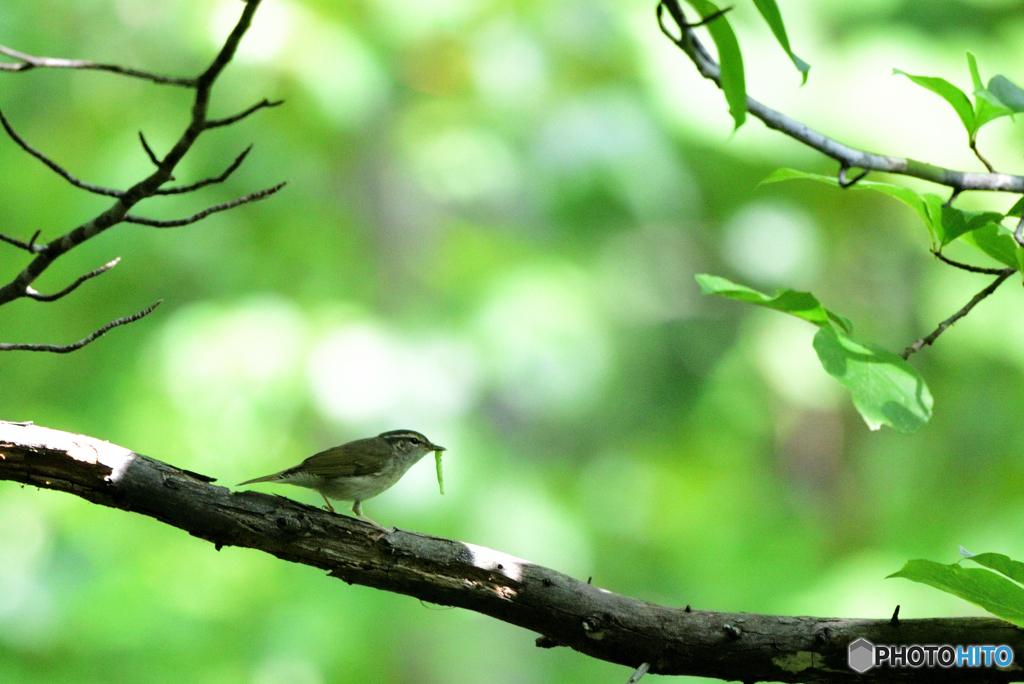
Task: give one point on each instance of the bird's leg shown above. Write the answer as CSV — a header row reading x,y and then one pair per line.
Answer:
x,y
329,506
357,508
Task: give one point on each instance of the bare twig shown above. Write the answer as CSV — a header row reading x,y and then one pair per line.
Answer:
x,y
148,149
30,247
208,181
56,349
217,123
128,218
975,300
974,148
845,155
30,62
54,166
148,186
1018,234
845,183
31,293
967,267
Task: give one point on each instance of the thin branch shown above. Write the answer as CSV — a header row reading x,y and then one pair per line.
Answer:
x,y
30,247
217,123
31,293
594,621
1018,234
54,166
208,181
85,340
967,267
128,218
975,300
30,62
845,155
974,148
845,183
148,149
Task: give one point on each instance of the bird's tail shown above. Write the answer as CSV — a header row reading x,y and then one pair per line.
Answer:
x,y
276,477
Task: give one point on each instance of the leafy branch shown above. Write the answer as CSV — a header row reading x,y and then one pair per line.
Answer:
x,y
885,389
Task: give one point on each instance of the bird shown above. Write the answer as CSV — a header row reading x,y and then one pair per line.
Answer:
x,y
357,470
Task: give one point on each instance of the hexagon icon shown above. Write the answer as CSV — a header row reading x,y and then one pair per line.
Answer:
x,y
861,655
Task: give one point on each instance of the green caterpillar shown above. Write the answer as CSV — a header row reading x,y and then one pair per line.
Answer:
x,y
440,476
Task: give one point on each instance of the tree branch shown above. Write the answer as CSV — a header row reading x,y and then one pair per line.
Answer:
x,y
66,349
217,123
20,286
54,166
977,153
254,197
975,300
31,293
848,157
968,267
674,641
208,181
31,247
151,155
29,62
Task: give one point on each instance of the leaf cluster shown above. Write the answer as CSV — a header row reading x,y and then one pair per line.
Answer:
x,y
998,589
885,388
733,80
1001,97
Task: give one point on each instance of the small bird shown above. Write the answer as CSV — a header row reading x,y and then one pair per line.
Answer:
x,y
358,470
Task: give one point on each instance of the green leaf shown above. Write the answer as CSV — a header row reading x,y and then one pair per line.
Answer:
x,y
906,195
996,240
987,106
948,92
972,64
770,11
800,304
731,61
1007,92
984,588
842,321
1017,209
933,204
951,223
886,389
945,223
1002,564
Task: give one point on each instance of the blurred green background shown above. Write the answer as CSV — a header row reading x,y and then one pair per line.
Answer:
x,y
494,217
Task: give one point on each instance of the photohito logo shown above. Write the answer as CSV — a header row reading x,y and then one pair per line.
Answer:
x,y
864,655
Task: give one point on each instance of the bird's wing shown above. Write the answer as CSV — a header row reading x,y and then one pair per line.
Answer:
x,y
361,457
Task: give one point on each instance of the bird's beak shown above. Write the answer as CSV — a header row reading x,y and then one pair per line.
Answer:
x,y
434,447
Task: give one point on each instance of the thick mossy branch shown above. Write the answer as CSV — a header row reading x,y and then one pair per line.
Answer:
x,y
565,611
